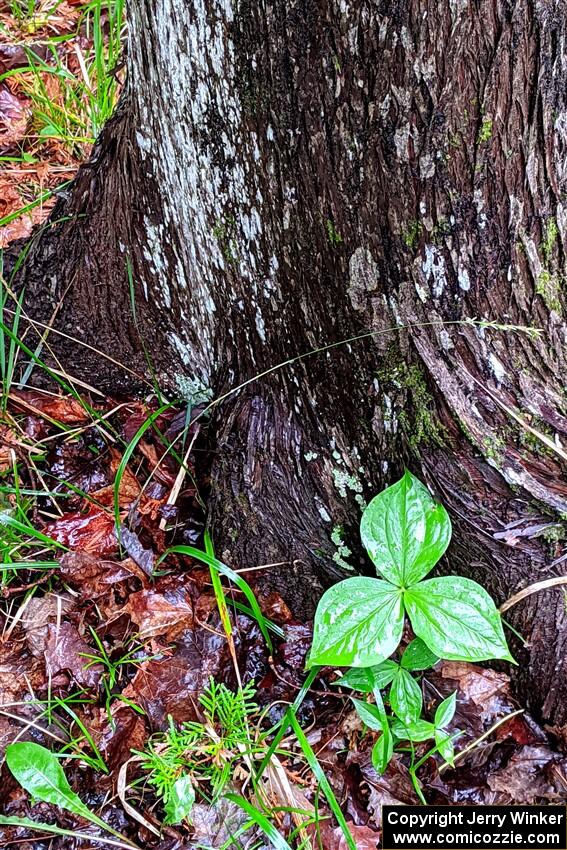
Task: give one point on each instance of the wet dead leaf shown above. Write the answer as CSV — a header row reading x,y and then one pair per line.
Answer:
x,y
488,690
64,409
65,651
39,613
14,117
10,202
116,739
532,775
158,614
332,838
172,685
213,826
91,531
15,55
20,675
144,558
129,490
93,577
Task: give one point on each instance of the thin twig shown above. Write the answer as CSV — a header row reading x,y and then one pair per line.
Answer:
x,y
474,744
176,489
532,588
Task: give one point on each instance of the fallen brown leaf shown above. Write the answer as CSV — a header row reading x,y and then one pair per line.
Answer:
x,y
532,775
92,576
333,838
14,117
64,409
116,739
156,614
39,613
488,690
173,685
66,651
92,531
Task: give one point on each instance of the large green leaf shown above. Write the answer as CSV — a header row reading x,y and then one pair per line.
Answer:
x,y
39,772
406,698
358,623
405,531
457,619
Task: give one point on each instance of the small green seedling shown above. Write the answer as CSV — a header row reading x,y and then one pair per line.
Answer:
x,y
359,622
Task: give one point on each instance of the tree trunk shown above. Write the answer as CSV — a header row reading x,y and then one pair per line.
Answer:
x,y
283,175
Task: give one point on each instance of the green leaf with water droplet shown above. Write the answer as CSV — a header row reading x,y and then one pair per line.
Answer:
x,y
405,531
457,619
358,623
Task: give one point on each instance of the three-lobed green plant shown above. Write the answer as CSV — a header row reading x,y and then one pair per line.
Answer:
x,y
359,622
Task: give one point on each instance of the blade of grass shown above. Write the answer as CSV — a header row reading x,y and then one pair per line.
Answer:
x,y
26,823
261,822
126,457
322,780
245,588
7,520
285,722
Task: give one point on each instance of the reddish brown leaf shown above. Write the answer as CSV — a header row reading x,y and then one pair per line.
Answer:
x,y
156,614
92,531
65,409
116,739
10,202
92,576
172,685
65,650
128,491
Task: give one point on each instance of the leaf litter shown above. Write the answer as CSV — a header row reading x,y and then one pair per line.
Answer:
x,y
163,640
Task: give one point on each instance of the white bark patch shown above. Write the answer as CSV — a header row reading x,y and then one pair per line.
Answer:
x,y
496,368
203,161
363,277
463,279
434,270
401,140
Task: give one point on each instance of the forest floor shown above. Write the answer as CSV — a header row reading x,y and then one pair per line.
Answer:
x,y
171,689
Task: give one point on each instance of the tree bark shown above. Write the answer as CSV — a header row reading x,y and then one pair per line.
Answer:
x,y
283,175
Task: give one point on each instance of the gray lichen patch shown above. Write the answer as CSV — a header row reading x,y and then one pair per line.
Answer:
x,y
192,390
342,551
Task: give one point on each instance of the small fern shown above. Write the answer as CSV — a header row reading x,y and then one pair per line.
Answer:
x,y
202,756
